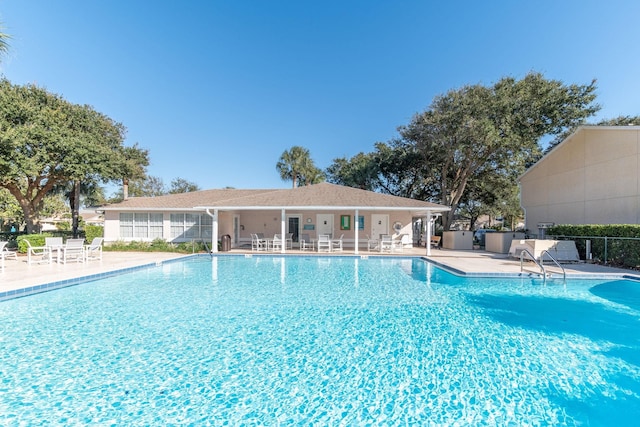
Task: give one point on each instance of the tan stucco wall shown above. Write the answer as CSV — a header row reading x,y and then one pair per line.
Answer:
x,y
593,177
269,223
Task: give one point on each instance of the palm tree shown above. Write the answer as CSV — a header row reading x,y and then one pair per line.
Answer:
x,y
295,164
4,42
313,176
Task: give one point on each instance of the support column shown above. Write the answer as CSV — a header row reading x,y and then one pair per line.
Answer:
x,y
283,219
428,237
356,228
214,229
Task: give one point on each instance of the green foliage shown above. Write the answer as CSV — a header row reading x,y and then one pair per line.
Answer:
x,y
312,175
474,140
123,246
189,247
46,142
34,240
296,165
149,186
152,186
63,226
54,206
360,171
4,41
609,230
180,185
92,231
157,245
613,239
10,237
10,211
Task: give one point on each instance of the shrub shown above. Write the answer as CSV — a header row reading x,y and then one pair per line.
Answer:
x,y
91,231
34,240
618,244
161,245
157,245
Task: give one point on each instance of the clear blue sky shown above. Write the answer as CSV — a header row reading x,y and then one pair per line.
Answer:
x,y
217,90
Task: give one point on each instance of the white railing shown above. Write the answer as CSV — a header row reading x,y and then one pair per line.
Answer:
x,y
532,258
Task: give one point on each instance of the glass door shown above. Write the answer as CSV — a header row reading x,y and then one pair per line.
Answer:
x,y
293,227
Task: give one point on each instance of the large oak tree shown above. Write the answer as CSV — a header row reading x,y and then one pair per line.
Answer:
x,y
47,142
470,136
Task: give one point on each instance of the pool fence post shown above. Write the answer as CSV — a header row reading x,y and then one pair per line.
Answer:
x,y
283,235
356,226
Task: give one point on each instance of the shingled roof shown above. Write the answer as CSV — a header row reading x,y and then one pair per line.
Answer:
x,y
323,196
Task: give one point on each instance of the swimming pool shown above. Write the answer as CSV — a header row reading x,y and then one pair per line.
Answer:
x,y
324,341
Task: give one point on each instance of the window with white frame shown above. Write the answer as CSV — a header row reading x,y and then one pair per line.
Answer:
x,y
190,226
177,225
206,225
141,225
126,225
156,226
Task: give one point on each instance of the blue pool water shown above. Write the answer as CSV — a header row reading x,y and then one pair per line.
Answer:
x,y
321,341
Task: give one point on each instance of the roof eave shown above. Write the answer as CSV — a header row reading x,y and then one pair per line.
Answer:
x,y
329,208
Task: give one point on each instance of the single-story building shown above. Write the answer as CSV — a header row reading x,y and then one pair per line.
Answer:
x,y
311,210
592,177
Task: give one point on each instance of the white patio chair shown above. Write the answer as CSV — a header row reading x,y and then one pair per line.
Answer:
x,y
54,244
53,241
73,250
6,253
336,245
305,242
38,254
276,244
258,243
324,243
289,240
386,243
94,249
372,244
406,241
397,244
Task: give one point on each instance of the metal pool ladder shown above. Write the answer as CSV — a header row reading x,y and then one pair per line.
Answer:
x,y
555,261
540,263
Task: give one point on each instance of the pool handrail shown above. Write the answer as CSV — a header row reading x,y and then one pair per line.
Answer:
x,y
539,264
555,261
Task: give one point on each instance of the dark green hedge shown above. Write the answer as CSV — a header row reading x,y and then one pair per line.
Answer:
x,y
38,239
619,247
34,240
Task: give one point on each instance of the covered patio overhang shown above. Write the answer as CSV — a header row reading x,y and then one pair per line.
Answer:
x,y
428,213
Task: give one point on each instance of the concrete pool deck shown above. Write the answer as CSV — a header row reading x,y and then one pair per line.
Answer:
x,y
18,275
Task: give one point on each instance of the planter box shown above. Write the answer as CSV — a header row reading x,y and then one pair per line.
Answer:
x,y
458,240
500,242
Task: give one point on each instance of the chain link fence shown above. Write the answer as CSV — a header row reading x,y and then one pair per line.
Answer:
x,y
615,251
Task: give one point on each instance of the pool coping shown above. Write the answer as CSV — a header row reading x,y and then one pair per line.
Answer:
x,y
59,284
516,275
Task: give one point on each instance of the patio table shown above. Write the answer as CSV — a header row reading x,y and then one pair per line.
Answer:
x,y
270,241
58,250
